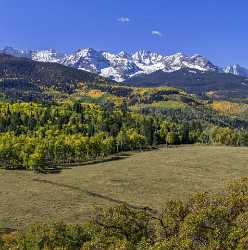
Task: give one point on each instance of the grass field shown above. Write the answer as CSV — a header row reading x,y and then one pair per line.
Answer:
x,y
142,179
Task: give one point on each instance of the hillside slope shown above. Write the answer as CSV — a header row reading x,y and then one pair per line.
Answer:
x,y
218,85
14,67
25,79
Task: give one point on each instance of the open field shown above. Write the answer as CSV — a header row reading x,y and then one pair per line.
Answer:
x,y
142,179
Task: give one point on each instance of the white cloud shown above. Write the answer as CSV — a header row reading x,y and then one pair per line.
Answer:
x,y
123,19
157,33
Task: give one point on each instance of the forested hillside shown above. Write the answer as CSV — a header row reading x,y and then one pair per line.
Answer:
x,y
213,84
50,73
38,135
24,79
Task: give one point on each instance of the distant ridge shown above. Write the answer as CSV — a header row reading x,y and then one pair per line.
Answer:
x,y
123,66
213,84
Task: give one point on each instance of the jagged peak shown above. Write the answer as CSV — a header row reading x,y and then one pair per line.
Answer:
x,y
236,69
123,54
87,51
197,56
123,65
178,55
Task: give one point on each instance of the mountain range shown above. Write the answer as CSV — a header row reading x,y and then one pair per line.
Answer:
x,y
124,67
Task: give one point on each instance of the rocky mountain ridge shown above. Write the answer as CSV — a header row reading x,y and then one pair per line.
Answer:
x,y
123,66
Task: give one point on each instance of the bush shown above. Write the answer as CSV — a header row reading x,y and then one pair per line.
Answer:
x,y
56,236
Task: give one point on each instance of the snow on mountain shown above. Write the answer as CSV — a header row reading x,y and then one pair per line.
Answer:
x,y
148,58
203,63
178,61
86,59
115,66
42,55
122,66
47,56
236,69
148,62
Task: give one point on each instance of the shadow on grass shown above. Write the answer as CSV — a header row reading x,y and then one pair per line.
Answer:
x,y
113,158
57,168
92,162
96,195
50,168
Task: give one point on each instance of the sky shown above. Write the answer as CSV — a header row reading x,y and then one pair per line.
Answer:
x,y
216,29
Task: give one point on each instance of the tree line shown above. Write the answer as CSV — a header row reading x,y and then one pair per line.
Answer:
x,y
34,134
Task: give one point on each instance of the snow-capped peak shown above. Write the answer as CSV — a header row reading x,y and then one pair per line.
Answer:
x,y
203,63
86,59
236,69
124,54
86,52
49,55
146,57
122,65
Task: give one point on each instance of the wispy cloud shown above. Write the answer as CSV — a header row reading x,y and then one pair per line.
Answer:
x,y
157,33
123,19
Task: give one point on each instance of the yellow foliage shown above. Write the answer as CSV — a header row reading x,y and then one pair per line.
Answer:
x,y
95,93
229,107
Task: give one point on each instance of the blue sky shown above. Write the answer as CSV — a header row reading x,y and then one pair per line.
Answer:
x,y
217,29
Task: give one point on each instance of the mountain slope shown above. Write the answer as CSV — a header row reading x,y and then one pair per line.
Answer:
x,y
121,66
220,85
22,77
195,74
22,68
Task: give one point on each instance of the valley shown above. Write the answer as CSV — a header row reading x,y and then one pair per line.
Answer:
x,y
123,125
91,163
